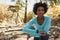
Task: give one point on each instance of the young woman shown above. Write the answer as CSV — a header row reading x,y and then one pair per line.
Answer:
x,y
41,23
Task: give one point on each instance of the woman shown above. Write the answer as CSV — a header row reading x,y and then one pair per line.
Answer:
x,y
41,23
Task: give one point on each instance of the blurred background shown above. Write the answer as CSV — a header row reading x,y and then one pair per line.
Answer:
x,y
14,14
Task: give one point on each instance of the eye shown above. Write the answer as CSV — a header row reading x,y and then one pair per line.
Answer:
x,y
42,9
38,10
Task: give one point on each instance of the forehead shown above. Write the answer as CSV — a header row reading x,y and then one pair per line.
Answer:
x,y
40,7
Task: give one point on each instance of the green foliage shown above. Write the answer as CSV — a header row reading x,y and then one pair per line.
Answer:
x,y
59,20
53,2
20,4
13,8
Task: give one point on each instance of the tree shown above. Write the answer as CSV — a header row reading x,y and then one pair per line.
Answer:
x,y
15,10
20,5
25,17
1,17
53,2
40,0
30,15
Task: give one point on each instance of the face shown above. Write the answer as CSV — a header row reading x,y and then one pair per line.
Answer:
x,y
40,11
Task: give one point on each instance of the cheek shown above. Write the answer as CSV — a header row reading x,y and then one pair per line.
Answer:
x,y
38,12
43,12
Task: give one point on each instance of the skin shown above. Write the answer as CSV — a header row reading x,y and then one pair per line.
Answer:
x,y
40,13
40,18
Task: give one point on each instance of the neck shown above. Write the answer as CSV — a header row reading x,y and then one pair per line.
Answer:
x,y
40,17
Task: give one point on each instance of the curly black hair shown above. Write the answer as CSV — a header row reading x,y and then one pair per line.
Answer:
x,y
40,4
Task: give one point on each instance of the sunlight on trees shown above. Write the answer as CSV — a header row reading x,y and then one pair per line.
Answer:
x,y
30,15
10,16
1,17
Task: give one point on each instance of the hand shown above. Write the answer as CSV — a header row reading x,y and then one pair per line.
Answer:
x,y
42,33
28,36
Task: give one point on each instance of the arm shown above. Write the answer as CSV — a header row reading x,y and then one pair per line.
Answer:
x,y
28,30
47,25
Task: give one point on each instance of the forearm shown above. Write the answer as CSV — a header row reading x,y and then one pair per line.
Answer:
x,y
42,33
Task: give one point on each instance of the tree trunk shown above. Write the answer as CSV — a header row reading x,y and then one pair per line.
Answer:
x,y
40,0
25,17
